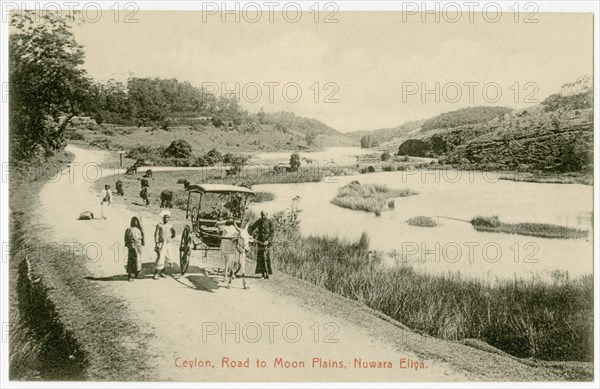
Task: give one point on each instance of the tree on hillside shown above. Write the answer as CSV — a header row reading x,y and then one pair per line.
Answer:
x,y
576,155
368,141
47,85
179,149
295,162
414,148
311,138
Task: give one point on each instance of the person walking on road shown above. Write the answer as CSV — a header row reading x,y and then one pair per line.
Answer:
x,y
163,234
134,240
263,228
106,199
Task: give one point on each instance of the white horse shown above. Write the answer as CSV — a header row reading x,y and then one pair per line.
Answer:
x,y
234,251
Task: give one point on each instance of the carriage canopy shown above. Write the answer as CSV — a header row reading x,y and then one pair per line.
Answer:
x,y
210,202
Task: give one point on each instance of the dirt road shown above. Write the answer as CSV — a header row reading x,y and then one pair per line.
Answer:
x,y
278,330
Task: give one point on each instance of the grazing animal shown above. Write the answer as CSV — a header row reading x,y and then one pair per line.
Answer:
x,y
240,247
87,215
308,161
131,169
166,199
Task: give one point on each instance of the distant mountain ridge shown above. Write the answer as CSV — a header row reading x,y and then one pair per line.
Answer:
x,y
386,134
390,137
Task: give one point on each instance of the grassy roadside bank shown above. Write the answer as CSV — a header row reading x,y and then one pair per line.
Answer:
x,y
34,338
62,327
524,318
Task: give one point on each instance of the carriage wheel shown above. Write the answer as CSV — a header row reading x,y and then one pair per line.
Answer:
x,y
185,250
184,261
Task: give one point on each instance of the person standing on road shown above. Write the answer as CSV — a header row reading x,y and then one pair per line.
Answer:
x,y
144,193
119,187
134,240
264,229
106,199
163,235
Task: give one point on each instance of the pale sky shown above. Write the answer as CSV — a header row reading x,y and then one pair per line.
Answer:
x,y
366,57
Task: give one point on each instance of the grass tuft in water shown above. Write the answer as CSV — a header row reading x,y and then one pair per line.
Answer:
x,y
422,221
493,224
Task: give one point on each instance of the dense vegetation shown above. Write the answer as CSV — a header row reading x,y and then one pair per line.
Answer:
x,y
552,141
180,153
47,86
168,103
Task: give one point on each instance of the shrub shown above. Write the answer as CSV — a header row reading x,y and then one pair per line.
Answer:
x,y
98,118
217,122
213,157
178,149
295,162
386,156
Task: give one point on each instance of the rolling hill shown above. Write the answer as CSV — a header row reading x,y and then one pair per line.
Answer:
x,y
555,136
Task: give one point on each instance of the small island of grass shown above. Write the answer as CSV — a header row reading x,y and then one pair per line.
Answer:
x,y
369,197
493,224
422,221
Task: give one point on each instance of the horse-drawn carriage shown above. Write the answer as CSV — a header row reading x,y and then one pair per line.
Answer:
x,y
208,207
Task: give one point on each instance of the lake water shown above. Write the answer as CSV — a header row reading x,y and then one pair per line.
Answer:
x,y
338,155
452,198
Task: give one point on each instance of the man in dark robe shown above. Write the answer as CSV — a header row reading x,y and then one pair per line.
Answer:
x,y
263,230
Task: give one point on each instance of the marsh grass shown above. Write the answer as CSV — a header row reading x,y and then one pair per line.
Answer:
x,y
369,197
525,318
422,221
493,224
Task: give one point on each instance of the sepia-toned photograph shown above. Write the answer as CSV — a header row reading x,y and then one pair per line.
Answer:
x,y
299,193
